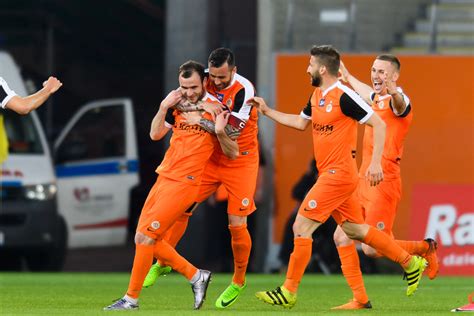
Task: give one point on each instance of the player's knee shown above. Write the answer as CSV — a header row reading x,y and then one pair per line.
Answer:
x,y
237,220
340,238
142,239
353,231
300,231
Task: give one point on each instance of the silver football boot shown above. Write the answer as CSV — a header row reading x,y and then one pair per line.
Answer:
x,y
121,304
200,288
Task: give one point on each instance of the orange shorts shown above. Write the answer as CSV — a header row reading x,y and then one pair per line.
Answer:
x,y
167,200
380,203
239,179
334,197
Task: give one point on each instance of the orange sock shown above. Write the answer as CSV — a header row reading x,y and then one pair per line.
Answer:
x,y
350,266
385,245
141,264
241,246
414,247
299,259
168,255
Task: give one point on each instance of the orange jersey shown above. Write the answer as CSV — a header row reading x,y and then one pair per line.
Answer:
x,y
189,151
334,114
396,131
235,97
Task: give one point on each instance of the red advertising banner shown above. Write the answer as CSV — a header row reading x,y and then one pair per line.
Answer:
x,y
446,214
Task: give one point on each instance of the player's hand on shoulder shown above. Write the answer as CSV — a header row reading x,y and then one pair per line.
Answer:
x,y
221,121
192,118
374,174
259,103
212,108
52,84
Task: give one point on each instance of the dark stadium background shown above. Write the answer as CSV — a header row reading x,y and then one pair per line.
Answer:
x,y
106,49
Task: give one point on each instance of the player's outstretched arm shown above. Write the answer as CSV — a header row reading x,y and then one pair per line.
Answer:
x,y
361,88
291,120
228,145
374,172
24,105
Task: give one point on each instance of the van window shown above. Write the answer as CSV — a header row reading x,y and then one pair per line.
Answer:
x,y
22,134
98,134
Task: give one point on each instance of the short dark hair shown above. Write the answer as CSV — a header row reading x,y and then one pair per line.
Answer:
x,y
392,59
220,56
328,56
187,69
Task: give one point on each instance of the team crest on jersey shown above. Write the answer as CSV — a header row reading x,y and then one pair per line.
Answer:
x,y
220,96
155,225
380,225
329,107
381,104
312,204
245,202
229,103
321,102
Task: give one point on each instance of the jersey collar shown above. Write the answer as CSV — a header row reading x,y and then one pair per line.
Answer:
x,y
336,84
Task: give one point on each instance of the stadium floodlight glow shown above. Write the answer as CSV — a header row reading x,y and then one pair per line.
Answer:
x,y
41,192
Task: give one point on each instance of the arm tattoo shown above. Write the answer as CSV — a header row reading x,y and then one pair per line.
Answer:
x,y
188,107
210,127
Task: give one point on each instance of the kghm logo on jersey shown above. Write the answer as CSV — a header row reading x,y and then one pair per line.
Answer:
x,y
323,129
321,102
195,129
220,96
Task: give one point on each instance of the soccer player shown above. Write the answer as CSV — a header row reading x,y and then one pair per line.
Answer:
x,y
239,175
22,105
380,202
180,174
333,111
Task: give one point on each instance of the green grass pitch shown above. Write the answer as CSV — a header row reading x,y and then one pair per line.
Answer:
x,y
88,293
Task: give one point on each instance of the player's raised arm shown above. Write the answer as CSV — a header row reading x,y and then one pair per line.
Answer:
x,y
159,128
24,105
399,100
295,121
361,88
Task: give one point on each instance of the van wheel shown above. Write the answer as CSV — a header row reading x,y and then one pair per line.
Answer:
x,y
51,258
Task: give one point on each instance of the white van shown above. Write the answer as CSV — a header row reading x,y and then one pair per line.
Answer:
x,y
80,200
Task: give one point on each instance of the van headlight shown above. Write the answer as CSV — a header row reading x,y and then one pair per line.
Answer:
x,y
41,192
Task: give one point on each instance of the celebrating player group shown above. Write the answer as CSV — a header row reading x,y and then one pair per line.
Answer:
x,y
213,117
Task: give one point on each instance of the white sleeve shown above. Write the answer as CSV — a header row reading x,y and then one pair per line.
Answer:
x,y
241,109
5,93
